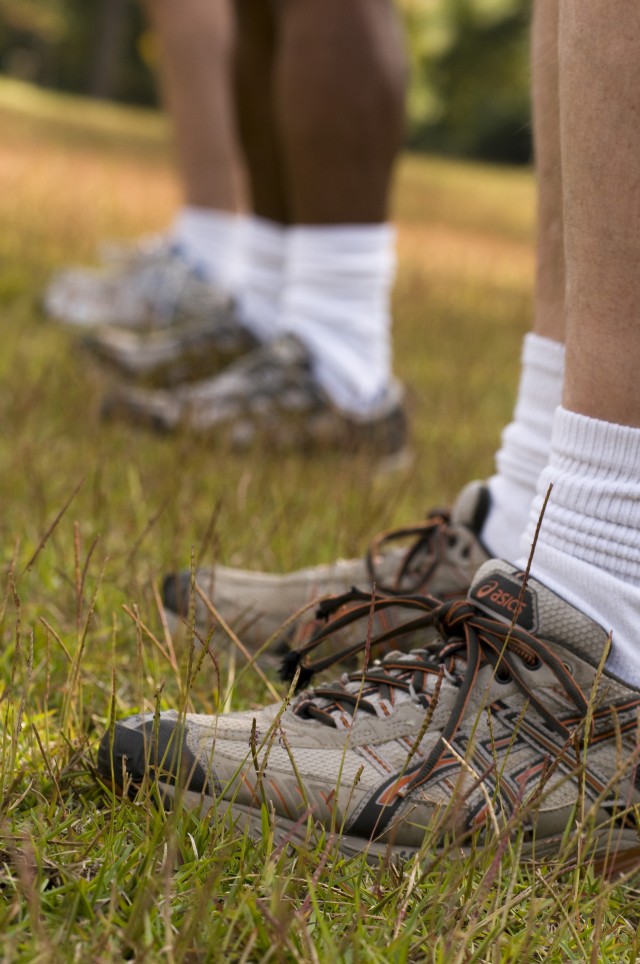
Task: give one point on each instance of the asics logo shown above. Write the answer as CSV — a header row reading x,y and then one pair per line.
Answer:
x,y
502,596
488,588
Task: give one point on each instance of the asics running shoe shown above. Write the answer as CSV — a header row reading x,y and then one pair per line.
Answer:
x,y
505,725
439,556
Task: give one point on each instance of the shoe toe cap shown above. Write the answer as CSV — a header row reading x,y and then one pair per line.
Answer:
x,y
142,745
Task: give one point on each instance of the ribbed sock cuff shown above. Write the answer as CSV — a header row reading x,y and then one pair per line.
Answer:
x,y
525,444
261,276
211,241
337,292
593,512
588,548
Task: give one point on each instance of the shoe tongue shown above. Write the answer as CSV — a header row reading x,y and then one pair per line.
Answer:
x,y
472,507
497,591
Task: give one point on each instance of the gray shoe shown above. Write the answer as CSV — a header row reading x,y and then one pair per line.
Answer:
x,y
270,398
438,556
200,342
504,727
140,249
155,290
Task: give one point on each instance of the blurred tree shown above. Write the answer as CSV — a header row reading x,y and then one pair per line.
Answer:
x,y
30,32
108,48
89,46
469,91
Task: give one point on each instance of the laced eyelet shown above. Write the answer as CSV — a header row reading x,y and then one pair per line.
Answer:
x,y
537,663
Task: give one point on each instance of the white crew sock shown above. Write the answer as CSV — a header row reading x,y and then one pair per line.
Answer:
x,y
588,549
525,445
261,276
336,301
210,241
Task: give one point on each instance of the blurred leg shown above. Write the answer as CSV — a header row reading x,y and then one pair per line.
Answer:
x,y
263,247
196,48
256,48
196,40
339,87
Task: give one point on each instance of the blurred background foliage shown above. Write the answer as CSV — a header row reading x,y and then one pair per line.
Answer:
x,y
469,82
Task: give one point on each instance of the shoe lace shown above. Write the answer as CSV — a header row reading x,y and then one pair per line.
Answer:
x,y
431,541
466,640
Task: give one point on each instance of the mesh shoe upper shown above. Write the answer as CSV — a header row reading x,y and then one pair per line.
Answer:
x,y
492,723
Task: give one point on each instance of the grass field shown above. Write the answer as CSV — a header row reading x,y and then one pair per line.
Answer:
x,y
84,877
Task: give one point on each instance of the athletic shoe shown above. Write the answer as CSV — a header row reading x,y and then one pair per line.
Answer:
x,y
197,344
128,253
437,556
505,726
154,291
269,397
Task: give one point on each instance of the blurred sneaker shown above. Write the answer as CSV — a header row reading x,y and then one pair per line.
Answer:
x,y
200,342
141,249
438,556
506,726
269,398
153,291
